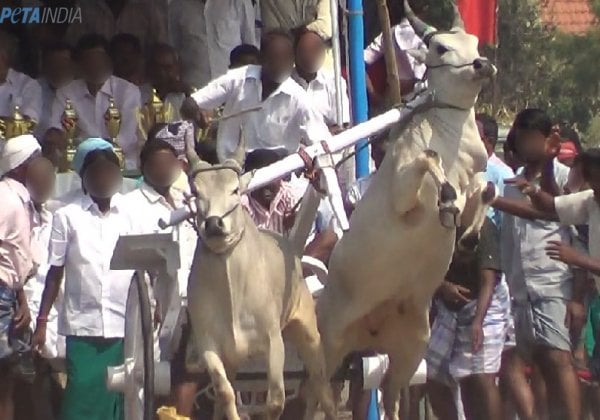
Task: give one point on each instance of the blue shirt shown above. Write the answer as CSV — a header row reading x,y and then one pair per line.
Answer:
x,y
530,273
496,172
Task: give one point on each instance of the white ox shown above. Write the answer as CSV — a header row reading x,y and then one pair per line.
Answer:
x,y
245,287
385,269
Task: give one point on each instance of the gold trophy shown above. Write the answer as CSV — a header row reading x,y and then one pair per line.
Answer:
x,y
112,117
157,109
16,125
70,115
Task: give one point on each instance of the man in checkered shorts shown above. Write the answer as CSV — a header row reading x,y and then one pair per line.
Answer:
x,y
469,332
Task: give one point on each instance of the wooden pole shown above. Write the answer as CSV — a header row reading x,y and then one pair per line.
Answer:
x,y
393,78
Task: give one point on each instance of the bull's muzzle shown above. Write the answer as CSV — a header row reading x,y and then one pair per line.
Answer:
x,y
214,226
484,68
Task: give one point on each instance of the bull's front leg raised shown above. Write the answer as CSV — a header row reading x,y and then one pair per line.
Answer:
x,y
224,393
410,182
480,194
275,366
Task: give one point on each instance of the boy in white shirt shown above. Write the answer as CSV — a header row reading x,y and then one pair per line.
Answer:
x,y
84,234
155,198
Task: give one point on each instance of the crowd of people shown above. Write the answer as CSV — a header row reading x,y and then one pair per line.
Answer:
x,y
513,323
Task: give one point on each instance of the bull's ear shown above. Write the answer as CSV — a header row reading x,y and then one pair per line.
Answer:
x,y
245,180
418,54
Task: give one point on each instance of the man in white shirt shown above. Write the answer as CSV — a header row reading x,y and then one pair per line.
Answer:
x,y
90,97
264,101
165,76
319,84
16,89
152,201
205,32
57,70
84,234
141,18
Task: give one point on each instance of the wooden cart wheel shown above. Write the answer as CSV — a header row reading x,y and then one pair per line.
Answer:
x,y
139,352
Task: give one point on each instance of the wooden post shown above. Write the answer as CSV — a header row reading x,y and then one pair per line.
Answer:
x,y
393,79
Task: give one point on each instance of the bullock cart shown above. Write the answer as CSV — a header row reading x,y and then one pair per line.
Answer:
x,y
144,374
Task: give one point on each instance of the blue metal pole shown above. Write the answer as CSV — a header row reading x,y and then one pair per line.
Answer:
x,y
358,84
373,413
360,111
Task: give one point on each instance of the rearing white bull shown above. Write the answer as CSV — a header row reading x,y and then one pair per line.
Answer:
x,y
385,269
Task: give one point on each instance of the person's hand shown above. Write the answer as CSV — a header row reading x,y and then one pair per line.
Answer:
x,y
454,293
336,129
39,336
191,111
521,184
476,335
22,316
575,317
288,220
560,251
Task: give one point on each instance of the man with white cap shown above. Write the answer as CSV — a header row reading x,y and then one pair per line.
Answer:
x,y
16,263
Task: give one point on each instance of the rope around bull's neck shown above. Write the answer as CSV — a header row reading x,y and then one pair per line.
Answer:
x,y
402,125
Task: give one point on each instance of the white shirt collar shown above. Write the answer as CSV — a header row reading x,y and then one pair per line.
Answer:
x,y
154,197
87,203
288,87
320,79
105,89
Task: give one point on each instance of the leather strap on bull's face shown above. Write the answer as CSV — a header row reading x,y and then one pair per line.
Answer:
x,y
225,165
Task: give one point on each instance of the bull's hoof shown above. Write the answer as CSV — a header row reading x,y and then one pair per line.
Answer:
x,y
468,243
449,215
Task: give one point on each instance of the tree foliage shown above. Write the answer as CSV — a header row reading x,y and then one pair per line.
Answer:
x,y
540,67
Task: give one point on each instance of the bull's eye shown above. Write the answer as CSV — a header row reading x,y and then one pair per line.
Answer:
x,y
236,191
441,50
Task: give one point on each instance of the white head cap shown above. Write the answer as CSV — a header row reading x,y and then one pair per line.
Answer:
x,y
16,151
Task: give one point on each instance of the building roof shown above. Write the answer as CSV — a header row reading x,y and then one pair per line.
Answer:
x,y
570,16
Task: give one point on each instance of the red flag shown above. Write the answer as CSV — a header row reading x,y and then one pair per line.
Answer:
x,y
480,19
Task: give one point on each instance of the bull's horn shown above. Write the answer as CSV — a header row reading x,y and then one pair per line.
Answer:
x,y
423,30
458,22
240,152
194,161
